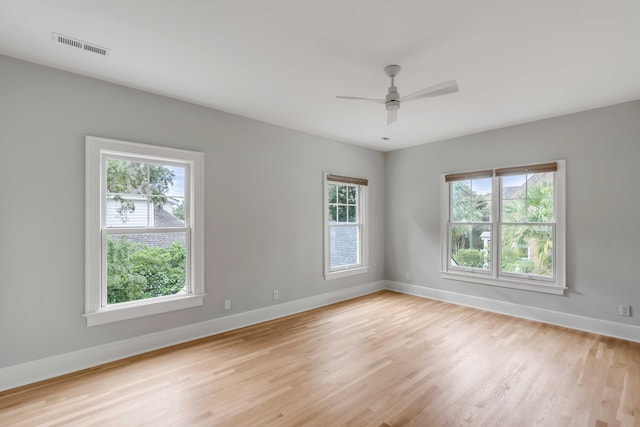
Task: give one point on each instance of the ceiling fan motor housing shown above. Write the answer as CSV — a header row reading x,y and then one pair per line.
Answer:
x,y
392,102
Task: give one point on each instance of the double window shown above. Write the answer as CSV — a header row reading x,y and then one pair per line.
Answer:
x,y
505,227
144,214
345,228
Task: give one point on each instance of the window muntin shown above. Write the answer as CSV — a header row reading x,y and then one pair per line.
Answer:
x,y
522,246
345,248
144,207
471,200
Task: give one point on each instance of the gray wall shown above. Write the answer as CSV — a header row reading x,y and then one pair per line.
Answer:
x,y
602,150
263,206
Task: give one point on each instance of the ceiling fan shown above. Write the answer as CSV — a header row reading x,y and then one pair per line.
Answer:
x,y
393,99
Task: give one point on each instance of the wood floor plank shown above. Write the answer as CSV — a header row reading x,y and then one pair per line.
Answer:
x,y
386,359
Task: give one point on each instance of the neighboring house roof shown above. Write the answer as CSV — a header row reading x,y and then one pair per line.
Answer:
x,y
161,218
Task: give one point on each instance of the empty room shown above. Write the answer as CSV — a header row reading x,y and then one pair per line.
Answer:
x,y
288,213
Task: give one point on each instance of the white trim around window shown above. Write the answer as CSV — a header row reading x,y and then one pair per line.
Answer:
x,y
97,310
492,272
355,261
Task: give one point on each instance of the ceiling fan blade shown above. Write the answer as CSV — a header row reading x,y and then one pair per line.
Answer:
x,y
450,86
392,116
378,101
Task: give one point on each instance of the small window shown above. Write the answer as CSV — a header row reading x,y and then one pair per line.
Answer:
x,y
144,215
345,231
505,227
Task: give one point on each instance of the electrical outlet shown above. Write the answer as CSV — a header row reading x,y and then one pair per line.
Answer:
x,y
407,276
276,295
227,304
625,310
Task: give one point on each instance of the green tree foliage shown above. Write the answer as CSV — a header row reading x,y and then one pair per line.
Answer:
x,y
136,271
470,258
125,178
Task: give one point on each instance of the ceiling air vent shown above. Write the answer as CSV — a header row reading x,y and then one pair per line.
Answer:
x,y
70,41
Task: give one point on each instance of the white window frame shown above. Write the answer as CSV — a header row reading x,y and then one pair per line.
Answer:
x,y
555,285
97,312
363,233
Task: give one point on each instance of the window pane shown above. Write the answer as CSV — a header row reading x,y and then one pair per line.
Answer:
x,y
342,194
342,214
176,187
128,210
471,200
540,185
343,246
513,186
460,191
527,249
171,214
351,212
125,177
333,213
514,210
332,193
141,266
471,245
351,195
176,208
461,212
540,210
481,186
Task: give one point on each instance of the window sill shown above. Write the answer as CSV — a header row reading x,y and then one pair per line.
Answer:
x,y
135,309
526,285
345,273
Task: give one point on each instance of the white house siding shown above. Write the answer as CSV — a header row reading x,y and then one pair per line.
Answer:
x,y
343,242
140,217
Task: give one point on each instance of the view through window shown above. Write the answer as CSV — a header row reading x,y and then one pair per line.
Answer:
x,y
504,223
146,232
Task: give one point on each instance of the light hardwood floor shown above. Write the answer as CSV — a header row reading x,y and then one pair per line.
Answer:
x,y
386,359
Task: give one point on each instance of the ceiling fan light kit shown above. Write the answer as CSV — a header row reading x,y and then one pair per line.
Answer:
x,y
392,100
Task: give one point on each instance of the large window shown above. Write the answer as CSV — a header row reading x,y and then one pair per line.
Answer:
x,y
505,227
345,228
143,236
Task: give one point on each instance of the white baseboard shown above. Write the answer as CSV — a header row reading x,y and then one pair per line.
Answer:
x,y
50,367
573,321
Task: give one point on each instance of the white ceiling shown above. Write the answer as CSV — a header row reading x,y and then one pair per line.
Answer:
x,y
283,61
